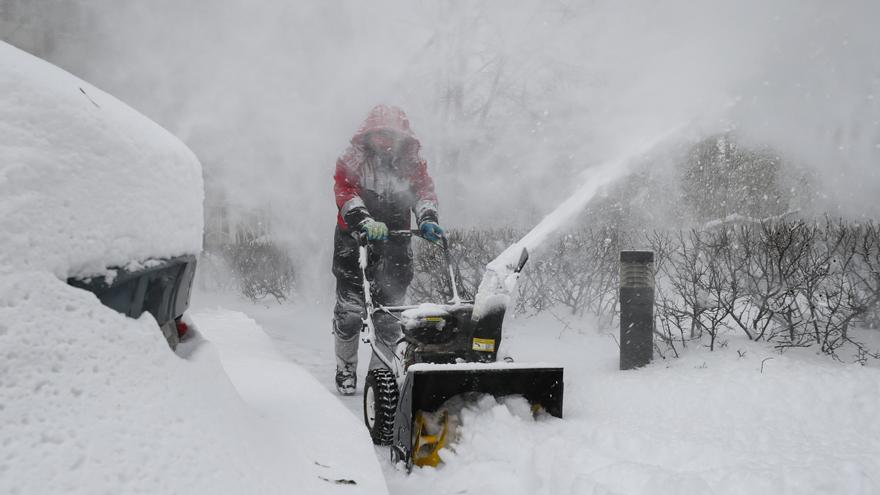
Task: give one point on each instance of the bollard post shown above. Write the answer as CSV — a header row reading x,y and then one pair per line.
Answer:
x,y
636,308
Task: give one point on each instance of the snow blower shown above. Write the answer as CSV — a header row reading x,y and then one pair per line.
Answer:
x,y
442,352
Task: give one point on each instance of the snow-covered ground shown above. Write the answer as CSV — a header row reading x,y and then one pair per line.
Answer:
x,y
321,447
743,419
93,402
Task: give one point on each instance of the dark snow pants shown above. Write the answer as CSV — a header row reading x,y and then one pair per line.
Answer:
x,y
390,272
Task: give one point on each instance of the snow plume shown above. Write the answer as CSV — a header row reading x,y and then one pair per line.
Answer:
x,y
499,279
510,103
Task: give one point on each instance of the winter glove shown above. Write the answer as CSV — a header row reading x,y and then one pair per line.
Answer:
x,y
376,231
431,231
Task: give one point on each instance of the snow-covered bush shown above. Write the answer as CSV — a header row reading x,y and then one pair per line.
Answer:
x,y
470,251
578,272
791,283
262,269
255,267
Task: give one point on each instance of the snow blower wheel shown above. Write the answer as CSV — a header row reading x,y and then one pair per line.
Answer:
x,y
380,404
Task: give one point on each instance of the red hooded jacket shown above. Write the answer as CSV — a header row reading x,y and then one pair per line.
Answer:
x,y
386,189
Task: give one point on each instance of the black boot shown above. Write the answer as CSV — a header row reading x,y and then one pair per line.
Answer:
x,y
346,379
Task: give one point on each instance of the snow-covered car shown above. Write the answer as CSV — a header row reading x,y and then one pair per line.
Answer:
x,y
96,193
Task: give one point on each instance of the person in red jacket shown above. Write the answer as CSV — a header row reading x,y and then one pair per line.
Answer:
x,y
380,181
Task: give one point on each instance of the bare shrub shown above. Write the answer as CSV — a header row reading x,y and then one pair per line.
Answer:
x,y
470,251
790,283
255,267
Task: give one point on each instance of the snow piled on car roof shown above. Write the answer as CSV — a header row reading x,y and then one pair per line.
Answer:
x,y
86,182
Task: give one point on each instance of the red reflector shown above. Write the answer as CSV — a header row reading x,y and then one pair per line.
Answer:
x,y
181,328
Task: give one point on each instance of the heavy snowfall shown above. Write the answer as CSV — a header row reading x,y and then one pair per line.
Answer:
x,y
739,142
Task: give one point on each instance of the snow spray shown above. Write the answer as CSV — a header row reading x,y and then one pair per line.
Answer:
x,y
499,278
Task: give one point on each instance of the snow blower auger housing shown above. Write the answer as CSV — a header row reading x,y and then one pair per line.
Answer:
x,y
441,353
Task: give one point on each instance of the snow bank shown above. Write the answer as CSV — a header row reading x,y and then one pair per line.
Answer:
x,y
94,402
85,181
316,437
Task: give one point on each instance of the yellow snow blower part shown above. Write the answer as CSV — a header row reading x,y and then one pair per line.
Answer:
x,y
428,386
426,445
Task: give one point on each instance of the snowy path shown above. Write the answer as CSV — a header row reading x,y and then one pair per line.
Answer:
x,y
705,423
296,411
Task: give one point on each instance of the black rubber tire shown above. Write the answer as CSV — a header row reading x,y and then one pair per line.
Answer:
x,y
381,387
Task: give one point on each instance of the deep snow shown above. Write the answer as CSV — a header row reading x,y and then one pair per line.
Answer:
x,y
94,402
85,181
743,419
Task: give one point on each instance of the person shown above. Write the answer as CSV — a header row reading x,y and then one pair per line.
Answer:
x,y
379,181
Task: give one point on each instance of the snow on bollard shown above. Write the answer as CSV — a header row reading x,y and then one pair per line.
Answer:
x,y
636,308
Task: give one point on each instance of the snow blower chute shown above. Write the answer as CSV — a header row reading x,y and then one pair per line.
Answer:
x,y
443,351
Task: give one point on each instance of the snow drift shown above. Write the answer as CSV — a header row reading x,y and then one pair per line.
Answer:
x,y
94,402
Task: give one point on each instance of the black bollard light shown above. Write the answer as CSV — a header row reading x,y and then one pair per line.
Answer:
x,y
636,308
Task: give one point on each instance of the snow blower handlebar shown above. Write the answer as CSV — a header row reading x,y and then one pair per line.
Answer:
x,y
364,243
444,244
361,236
